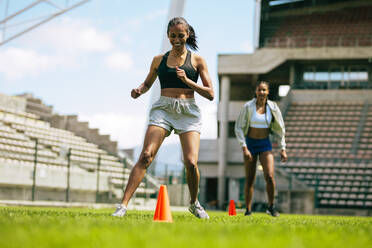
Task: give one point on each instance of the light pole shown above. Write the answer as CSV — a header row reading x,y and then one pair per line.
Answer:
x,y
34,172
68,175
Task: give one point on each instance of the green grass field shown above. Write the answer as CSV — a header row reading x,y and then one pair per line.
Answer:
x,y
59,227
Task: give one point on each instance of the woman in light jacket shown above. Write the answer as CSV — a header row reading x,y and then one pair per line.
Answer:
x,y
258,118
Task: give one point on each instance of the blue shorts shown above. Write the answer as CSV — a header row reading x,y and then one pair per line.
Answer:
x,y
255,146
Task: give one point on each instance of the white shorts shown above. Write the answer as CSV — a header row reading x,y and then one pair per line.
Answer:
x,y
180,114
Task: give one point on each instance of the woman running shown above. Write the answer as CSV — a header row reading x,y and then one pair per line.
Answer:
x,y
178,71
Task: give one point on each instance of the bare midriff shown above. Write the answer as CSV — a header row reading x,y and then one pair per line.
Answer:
x,y
177,92
258,133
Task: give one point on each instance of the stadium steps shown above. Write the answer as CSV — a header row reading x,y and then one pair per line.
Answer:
x,y
18,132
344,27
360,129
321,139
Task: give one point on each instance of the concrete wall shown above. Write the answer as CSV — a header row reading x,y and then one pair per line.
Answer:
x,y
45,194
331,95
266,59
341,211
16,182
179,195
296,201
15,103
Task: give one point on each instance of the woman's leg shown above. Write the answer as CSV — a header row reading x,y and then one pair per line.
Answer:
x,y
153,139
267,161
250,176
190,142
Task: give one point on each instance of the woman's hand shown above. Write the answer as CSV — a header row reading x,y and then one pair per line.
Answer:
x,y
247,155
181,74
136,93
283,156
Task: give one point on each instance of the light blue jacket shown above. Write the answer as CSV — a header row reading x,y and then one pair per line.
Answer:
x,y
243,122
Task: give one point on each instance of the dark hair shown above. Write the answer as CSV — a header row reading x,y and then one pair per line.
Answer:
x,y
191,41
263,82
268,87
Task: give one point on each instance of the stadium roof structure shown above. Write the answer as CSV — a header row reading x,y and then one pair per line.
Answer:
x,y
301,3
21,17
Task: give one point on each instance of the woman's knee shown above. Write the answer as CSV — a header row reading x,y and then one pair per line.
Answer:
x,y
191,164
270,178
146,158
249,182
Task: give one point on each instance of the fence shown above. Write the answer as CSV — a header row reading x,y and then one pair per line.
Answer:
x,y
147,191
318,41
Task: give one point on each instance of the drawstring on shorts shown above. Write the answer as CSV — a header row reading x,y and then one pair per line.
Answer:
x,y
177,106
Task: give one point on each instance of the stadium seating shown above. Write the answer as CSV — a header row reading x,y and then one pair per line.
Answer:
x,y
338,183
346,27
18,134
323,130
329,146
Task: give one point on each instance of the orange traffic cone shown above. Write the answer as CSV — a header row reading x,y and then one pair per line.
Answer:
x,y
162,211
232,210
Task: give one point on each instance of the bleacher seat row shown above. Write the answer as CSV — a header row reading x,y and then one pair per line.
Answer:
x,y
331,158
18,134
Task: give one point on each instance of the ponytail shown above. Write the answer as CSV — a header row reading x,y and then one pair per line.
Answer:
x,y
191,41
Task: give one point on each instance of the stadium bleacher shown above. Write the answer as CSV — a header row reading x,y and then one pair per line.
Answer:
x,y
344,27
323,129
19,132
329,146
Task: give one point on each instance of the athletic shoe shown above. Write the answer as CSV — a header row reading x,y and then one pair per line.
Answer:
x,y
198,210
120,211
247,212
272,211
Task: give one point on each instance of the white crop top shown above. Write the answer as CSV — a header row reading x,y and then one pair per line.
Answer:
x,y
261,120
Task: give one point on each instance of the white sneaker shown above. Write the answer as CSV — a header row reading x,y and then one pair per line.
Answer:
x,y
198,210
120,211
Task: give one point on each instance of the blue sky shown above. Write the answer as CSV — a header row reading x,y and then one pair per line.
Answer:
x,y
86,61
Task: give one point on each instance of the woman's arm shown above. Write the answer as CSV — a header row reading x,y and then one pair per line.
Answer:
x,y
146,85
282,125
283,153
240,125
207,89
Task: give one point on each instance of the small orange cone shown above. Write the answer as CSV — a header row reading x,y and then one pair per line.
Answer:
x,y
232,210
162,211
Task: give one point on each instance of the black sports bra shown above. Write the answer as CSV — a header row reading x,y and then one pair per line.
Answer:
x,y
168,76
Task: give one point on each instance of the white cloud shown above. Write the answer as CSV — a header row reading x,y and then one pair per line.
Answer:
x,y
126,39
16,63
126,129
70,34
119,60
91,39
136,23
155,14
65,42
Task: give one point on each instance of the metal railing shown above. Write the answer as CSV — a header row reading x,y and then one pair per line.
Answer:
x,y
167,177
318,41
